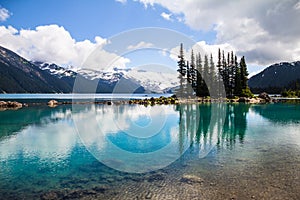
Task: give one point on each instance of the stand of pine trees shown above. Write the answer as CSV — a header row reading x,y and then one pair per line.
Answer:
x,y
207,79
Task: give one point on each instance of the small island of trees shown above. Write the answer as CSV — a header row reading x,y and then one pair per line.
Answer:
x,y
205,77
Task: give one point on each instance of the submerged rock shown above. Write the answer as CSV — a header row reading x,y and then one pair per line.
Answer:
x,y
51,195
148,195
76,194
67,194
190,179
155,177
100,188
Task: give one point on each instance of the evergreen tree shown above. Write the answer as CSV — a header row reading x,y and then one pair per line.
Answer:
x,y
206,68
212,73
199,72
244,73
188,72
244,79
193,70
189,90
219,73
181,62
219,63
181,70
237,78
199,64
228,59
231,69
225,74
204,89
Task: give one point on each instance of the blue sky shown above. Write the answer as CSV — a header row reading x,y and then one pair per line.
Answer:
x,y
87,19
65,31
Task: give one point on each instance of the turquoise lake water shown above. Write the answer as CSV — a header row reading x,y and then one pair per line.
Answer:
x,y
238,151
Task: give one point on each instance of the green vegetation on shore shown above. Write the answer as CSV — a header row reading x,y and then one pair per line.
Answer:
x,y
293,91
290,93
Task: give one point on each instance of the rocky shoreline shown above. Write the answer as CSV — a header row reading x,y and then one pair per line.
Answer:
x,y
13,105
173,100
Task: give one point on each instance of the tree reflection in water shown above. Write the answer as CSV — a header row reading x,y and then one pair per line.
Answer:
x,y
207,125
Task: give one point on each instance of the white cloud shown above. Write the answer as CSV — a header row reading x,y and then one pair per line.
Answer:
x,y
4,14
140,45
121,1
166,16
203,48
54,44
297,6
164,52
264,31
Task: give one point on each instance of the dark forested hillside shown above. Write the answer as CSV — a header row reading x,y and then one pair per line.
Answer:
x,y
275,78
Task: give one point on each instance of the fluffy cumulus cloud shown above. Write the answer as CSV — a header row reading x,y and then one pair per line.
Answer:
x,y
264,31
4,14
166,16
54,44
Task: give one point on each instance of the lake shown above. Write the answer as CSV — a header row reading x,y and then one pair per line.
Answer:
x,y
206,151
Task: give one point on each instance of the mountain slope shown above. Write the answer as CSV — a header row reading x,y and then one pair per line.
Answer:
x,y
17,75
275,78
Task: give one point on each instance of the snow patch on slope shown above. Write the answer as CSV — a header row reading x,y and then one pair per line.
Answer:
x,y
154,81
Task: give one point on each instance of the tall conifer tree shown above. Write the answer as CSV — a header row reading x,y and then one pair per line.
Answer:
x,y
193,70
181,70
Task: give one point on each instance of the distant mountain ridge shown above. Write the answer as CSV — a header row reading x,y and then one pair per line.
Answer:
x,y
275,78
18,75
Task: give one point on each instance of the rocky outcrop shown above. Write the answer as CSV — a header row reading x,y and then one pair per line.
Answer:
x,y
265,97
243,100
254,100
52,103
10,105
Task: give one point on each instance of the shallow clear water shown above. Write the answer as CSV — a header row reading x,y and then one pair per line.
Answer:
x,y
130,151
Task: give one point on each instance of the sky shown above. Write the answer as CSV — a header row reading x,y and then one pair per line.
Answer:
x,y
67,32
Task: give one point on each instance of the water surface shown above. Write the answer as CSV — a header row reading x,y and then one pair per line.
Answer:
x,y
230,150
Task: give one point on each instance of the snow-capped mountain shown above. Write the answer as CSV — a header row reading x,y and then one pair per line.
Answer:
x,y
153,81
56,70
110,76
159,82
